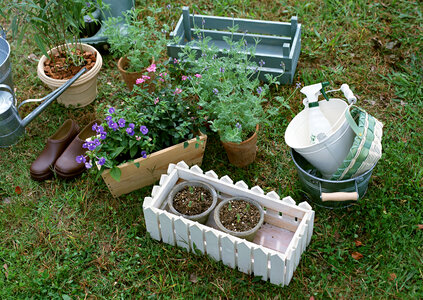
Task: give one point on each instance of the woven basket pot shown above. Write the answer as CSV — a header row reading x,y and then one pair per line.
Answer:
x,y
244,153
83,91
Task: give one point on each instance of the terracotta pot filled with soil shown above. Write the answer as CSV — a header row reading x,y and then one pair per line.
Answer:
x,y
240,217
55,72
193,200
244,153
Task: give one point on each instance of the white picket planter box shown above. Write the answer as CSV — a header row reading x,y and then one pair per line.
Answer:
x,y
276,250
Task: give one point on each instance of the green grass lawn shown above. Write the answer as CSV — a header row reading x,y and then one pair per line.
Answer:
x,y
71,239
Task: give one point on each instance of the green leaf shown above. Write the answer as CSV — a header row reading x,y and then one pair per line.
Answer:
x,y
137,164
115,172
133,151
186,144
117,151
40,45
197,145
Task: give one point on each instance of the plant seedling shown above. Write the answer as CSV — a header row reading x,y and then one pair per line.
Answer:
x,y
248,207
229,206
201,197
238,217
191,189
190,204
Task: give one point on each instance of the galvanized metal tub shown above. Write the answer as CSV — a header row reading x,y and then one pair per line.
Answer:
x,y
330,193
5,67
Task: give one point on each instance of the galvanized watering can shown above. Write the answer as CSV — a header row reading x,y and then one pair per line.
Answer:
x,y
11,124
5,68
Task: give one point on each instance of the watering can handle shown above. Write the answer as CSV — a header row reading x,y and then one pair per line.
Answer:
x,y
9,89
339,196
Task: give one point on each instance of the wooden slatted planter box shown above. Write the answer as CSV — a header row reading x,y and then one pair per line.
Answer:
x,y
280,42
276,250
146,171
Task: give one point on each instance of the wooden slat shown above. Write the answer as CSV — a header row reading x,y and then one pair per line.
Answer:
x,y
197,237
244,250
152,167
249,38
179,28
251,26
289,267
151,219
228,244
166,227
213,243
261,262
272,217
181,232
163,192
277,269
187,23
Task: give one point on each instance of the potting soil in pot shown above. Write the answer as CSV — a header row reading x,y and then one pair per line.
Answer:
x,y
239,216
192,200
60,68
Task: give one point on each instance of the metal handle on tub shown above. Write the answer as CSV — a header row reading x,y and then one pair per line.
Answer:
x,y
339,196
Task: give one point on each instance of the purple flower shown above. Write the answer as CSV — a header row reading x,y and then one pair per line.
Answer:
x,y
121,122
261,63
203,22
80,159
103,135
215,91
259,90
112,110
298,85
85,145
87,19
108,118
237,125
175,61
113,125
131,125
94,128
144,154
88,165
144,129
282,65
101,161
97,142
130,131
88,4
222,70
92,146
100,129
168,6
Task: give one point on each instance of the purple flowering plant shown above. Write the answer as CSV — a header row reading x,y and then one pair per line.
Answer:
x,y
122,136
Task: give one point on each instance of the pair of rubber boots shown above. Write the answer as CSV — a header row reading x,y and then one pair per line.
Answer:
x,y
61,150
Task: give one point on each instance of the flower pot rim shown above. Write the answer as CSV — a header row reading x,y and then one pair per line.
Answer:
x,y
182,185
81,80
124,61
238,233
247,140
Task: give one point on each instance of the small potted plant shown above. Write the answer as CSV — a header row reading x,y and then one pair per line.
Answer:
x,y
230,95
135,143
193,200
240,217
57,26
140,46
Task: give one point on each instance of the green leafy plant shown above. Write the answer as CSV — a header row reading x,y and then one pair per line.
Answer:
x,y
227,87
55,23
144,39
153,118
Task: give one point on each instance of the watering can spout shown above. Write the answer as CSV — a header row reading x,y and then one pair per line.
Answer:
x,y
49,98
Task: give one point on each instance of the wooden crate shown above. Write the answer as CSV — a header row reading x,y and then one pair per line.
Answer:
x,y
151,168
276,250
280,42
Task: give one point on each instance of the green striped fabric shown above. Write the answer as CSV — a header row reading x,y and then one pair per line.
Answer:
x,y
367,146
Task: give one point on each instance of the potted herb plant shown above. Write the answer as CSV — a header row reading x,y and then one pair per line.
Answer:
x,y
140,46
240,217
135,143
194,200
229,93
57,26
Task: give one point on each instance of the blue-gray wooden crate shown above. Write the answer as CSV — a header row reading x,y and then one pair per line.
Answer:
x,y
279,46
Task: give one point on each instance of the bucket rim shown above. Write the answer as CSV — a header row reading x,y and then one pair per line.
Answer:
x,y
8,52
326,180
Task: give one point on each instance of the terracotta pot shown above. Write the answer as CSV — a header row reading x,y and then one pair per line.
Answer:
x,y
130,77
244,153
83,91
